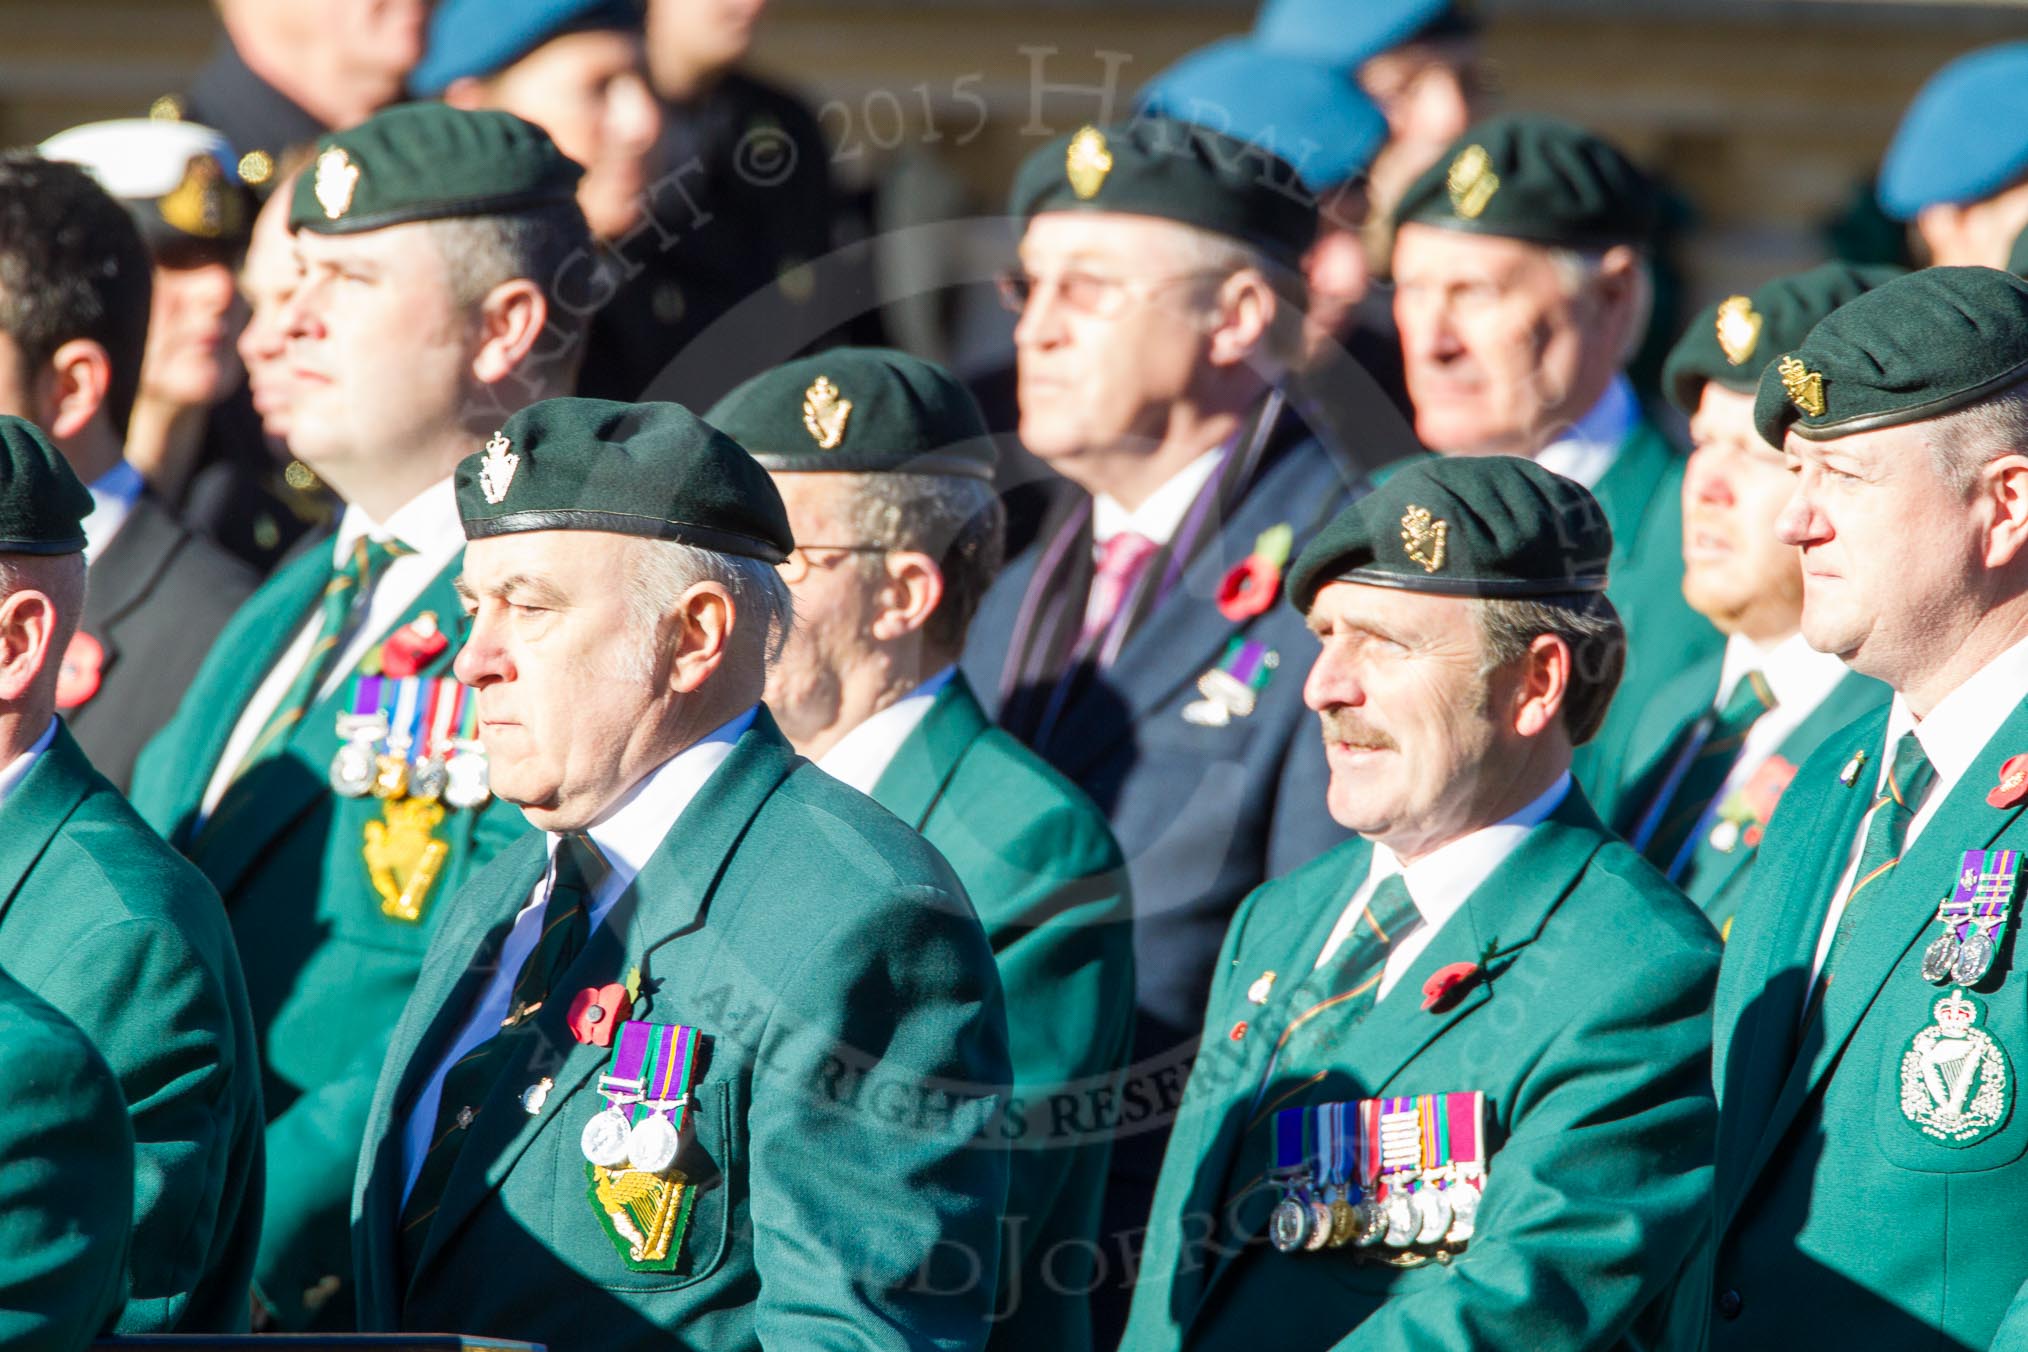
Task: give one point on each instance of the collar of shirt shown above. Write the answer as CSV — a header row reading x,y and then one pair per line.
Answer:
x,y
114,494
1799,675
862,756
1588,450
1958,729
1161,516
16,770
427,523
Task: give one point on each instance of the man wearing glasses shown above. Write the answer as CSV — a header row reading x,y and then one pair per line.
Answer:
x,y
1136,646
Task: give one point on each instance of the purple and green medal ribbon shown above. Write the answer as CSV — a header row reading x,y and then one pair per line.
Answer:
x,y
1984,893
662,1060
1245,660
366,695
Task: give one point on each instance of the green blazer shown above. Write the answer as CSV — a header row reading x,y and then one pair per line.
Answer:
x,y
1641,769
1590,1038
846,1153
1039,862
327,971
104,921
1840,1221
66,1181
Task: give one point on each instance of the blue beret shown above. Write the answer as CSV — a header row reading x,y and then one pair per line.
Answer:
x,y
480,37
1345,35
1314,116
1964,138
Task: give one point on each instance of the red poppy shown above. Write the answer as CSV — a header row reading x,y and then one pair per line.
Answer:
x,y
597,1012
1249,589
1238,1031
77,680
412,647
2013,785
1447,985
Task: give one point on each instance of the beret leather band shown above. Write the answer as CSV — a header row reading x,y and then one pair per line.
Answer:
x,y
1492,588
1923,412
483,204
626,523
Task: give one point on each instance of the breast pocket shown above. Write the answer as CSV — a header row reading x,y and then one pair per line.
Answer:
x,y
1948,1061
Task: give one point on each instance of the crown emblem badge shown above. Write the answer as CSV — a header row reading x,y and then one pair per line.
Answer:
x,y
1805,387
1471,182
1738,329
496,471
1087,162
337,177
825,413
1423,537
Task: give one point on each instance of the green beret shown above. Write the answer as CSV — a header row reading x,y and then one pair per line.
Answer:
x,y
1733,341
655,470
859,410
1911,349
1538,179
1463,525
1158,166
42,505
426,162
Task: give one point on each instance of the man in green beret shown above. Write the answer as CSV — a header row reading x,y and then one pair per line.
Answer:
x,y
67,1185
1454,1085
733,1073
885,466
1136,645
323,770
1521,289
126,939
1700,767
1872,1156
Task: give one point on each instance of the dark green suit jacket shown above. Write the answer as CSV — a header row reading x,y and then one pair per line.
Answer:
x,y
1590,1038
104,921
66,1181
1040,864
846,1154
327,971
1840,1222
1639,770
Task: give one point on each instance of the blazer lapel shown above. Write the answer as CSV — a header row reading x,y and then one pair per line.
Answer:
x,y
923,765
37,808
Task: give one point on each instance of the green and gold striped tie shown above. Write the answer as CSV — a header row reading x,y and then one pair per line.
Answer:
x,y
1908,779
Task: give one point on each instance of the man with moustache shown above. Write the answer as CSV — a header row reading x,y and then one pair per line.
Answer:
x,y
1136,646
1709,757
886,468
1870,1019
717,1054
323,771
1454,1088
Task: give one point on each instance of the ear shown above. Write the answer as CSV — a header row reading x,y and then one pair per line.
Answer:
x,y
511,320
1544,683
466,92
2004,484
1246,310
72,388
27,638
1617,282
911,594
704,619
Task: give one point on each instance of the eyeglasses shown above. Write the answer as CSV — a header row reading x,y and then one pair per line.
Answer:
x,y
1086,292
797,566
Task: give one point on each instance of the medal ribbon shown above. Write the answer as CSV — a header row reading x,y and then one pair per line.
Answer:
x,y
630,1055
1333,1115
1465,1115
407,696
445,707
671,1061
366,695
1291,1129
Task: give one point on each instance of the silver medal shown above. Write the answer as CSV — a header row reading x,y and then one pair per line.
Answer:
x,y
605,1139
352,770
1402,1222
465,775
1433,1212
1940,957
1320,1225
1371,1223
1974,958
651,1145
1464,1200
1289,1227
428,779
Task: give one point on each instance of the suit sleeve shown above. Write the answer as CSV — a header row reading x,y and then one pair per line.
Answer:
x,y
877,1180
1595,1200
66,1189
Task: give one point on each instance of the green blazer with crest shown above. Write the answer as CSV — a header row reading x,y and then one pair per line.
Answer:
x,y
1840,1219
66,1181
327,970
1041,866
846,1148
105,922
1589,1034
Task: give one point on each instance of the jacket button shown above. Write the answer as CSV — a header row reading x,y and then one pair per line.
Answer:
x,y
1729,1305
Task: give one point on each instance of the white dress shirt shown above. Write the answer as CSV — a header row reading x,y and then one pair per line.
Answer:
x,y
1161,516
628,836
16,770
114,494
1588,450
1801,678
1952,737
429,525
1439,882
862,756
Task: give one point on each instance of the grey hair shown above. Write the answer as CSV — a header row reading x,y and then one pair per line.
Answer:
x,y
662,570
540,244
1587,623
1579,268
1221,257
1962,443
956,520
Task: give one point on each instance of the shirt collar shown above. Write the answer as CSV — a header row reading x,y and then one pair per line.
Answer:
x,y
1799,675
1439,882
1963,721
862,755
114,494
1161,516
16,770
1588,449
427,523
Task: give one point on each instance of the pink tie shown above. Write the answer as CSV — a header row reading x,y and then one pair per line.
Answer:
x,y
1120,561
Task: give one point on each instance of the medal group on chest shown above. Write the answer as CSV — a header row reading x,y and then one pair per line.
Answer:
x,y
1401,1177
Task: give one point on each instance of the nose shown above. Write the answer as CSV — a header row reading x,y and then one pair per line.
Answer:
x,y
482,661
636,116
1333,683
1800,523
1704,478
1040,324
299,317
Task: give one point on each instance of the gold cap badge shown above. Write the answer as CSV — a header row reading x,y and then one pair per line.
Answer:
x,y
1805,387
337,176
256,167
1423,538
1738,329
1471,182
824,414
1087,163
197,205
496,471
